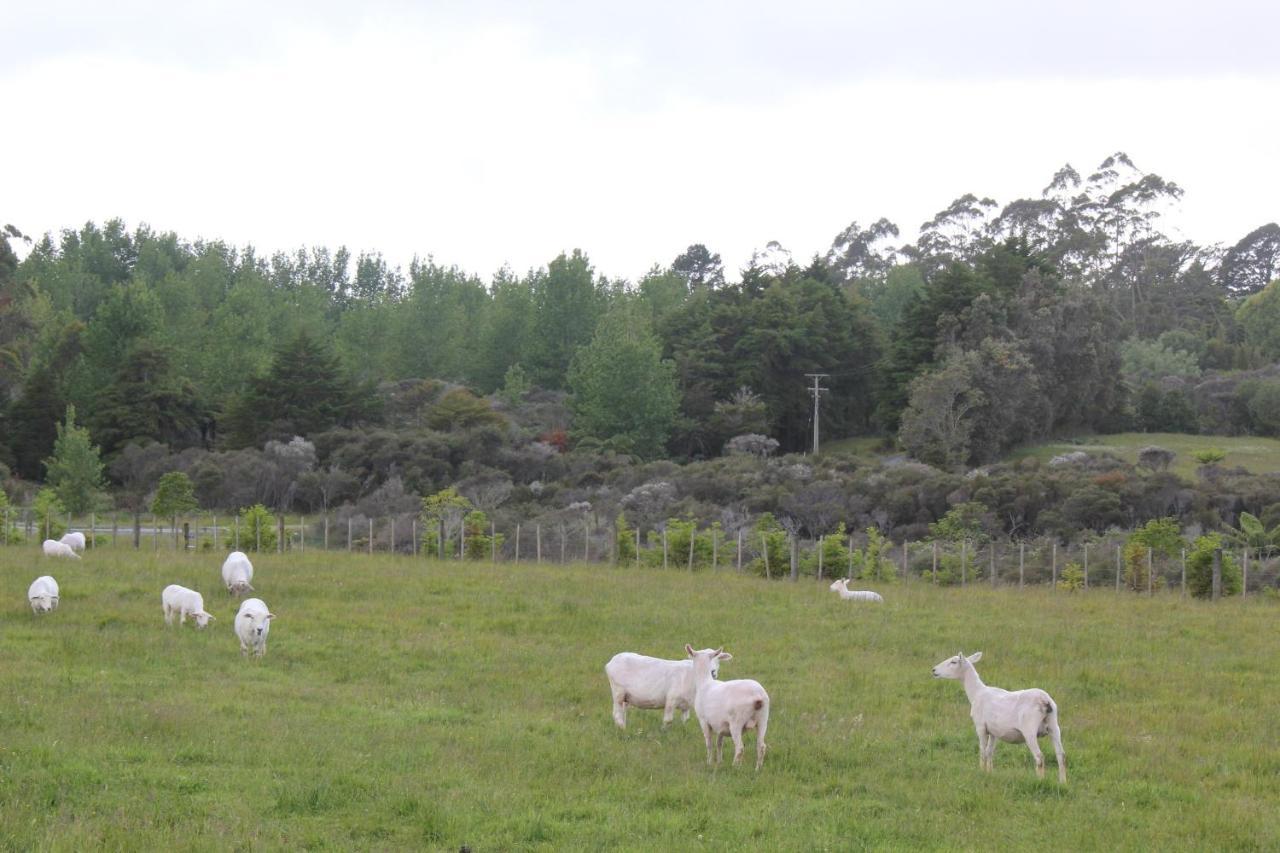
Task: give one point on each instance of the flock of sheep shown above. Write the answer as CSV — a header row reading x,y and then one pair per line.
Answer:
x,y
252,622
735,707
722,707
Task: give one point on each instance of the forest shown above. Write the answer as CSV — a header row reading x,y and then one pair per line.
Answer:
x,y
326,382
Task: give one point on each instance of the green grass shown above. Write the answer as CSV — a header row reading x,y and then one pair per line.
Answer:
x,y
1255,454
413,705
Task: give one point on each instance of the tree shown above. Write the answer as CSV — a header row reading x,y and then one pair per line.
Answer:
x,y
174,496
699,267
624,391
1200,568
75,469
938,423
1259,318
566,306
853,253
1254,262
1151,361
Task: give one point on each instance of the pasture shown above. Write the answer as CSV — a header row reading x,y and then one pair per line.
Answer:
x,y
407,704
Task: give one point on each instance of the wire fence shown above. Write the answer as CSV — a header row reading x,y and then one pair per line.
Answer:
x,y
1097,564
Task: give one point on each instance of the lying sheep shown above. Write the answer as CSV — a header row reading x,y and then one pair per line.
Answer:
x,y
237,571
1020,716
184,602
727,707
252,624
842,588
75,540
43,595
645,682
52,548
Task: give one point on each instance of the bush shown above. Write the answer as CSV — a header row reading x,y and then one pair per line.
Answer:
x,y
625,541
481,540
1200,568
1072,577
768,533
871,564
257,529
49,514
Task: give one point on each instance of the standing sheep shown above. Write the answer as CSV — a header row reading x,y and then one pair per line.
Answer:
x,y
53,548
43,595
252,624
727,707
75,540
237,571
184,602
645,682
1019,716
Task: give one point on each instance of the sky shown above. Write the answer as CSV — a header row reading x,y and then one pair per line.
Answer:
x,y
487,134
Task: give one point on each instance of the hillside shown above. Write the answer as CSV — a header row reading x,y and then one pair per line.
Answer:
x,y
408,704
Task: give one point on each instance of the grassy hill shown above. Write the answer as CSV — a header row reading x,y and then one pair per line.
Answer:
x,y
414,705
1255,454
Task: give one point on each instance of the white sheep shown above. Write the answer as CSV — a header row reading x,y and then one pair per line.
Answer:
x,y
1020,716
237,571
184,602
43,595
75,540
727,707
53,548
252,624
841,587
645,682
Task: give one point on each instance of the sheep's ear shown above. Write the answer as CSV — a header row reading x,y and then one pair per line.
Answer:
x,y
271,616
724,656
975,657
688,649
211,616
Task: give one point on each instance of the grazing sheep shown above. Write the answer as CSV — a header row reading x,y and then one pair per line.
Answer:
x,y
75,540
842,588
727,707
237,571
184,602
43,595
52,548
645,682
252,624
1020,716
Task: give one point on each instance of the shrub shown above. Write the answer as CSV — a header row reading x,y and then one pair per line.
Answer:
x,y
871,564
481,540
49,514
1162,536
1072,577
1200,568
625,541
257,529
768,533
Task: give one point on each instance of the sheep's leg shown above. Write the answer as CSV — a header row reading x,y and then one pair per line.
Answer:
x,y
686,715
668,711
1055,734
620,707
719,747
762,723
168,616
735,732
991,752
982,748
1029,735
706,734
244,650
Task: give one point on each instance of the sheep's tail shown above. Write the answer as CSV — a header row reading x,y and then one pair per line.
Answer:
x,y
1048,706
759,704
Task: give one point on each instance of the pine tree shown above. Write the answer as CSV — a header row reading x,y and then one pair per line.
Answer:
x,y
75,469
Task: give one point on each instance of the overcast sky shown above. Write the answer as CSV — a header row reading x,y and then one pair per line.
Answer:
x,y
503,133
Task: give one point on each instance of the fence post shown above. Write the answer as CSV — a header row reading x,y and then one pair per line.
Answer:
x,y
935,562
349,521
693,537
4,540
1150,574
739,549
586,541
493,542
215,534
1244,583
370,537
795,558
326,530
563,540
393,534
715,549
1184,573
413,534
1086,565
1118,568
440,550
236,544
155,534
1054,575
115,529
517,541
664,547
964,562
764,546
1217,573
462,539
93,530
851,555
1022,562
302,534
906,554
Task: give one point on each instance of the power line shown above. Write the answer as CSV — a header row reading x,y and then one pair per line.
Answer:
x,y
817,391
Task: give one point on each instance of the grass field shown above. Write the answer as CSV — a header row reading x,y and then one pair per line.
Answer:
x,y
1253,453
413,705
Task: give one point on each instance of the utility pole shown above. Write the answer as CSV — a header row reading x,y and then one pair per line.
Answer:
x,y
817,391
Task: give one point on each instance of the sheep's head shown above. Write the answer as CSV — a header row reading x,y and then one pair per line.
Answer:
x,y
953,667
202,618
707,660
44,603
838,584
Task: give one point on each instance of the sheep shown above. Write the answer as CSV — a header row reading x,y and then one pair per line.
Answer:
x,y
645,682
1020,716
53,548
184,602
237,571
252,624
728,707
43,595
75,540
842,588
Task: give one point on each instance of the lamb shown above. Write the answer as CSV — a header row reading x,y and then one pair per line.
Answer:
x,y
252,624
1020,716
75,540
184,602
842,588
237,571
53,548
43,595
645,682
728,707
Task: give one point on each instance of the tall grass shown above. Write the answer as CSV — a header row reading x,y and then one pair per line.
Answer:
x,y
406,704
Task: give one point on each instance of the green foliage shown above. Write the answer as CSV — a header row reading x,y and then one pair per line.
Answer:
x,y
872,562
257,529
835,555
1209,456
1152,361
1259,317
460,409
1200,568
75,469
962,523
49,514
1163,536
514,385
680,534
175,495
481,540
770,539
624,391
1072,577
1254,535
625,541
445,506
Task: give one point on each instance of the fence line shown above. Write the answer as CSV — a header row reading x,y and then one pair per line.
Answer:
x,y
1034,562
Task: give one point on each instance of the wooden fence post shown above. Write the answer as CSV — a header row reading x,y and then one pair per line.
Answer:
x,y
349,534
538,536
440,548
993,564
326,530
935,562
1118,572
493,542
215,534
370,537
693,537
1184,573
764,546
795,559
517,542
664,547
1022,563
392,548
964,562
1217,574
1244,584
906,564
850,556
302,535
413,535
93,529
821,539
739,549
1150,574
715,549
1086,565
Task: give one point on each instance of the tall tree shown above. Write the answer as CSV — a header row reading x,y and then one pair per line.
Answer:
x,y
1254,262
566,306
75,469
